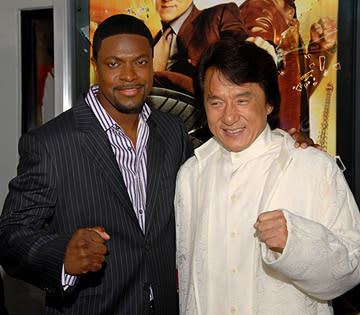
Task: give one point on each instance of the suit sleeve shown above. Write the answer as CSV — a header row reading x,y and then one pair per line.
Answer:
x,y
28,250
231,23
323,258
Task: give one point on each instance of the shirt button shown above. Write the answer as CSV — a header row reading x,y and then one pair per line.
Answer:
x,y
234,197
233,234
147,246
129,148
233,310
234,271
140,211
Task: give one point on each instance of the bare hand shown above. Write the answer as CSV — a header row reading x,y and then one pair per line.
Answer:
x,y
85,251
161,51
273,229
324,32
301,139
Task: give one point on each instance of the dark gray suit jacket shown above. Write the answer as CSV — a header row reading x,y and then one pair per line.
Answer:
x,y
68,179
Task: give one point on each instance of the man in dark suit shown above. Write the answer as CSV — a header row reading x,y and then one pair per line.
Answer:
x,y
89,217
187,33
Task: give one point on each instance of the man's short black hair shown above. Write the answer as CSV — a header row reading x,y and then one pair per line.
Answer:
x,y
120,24
242,62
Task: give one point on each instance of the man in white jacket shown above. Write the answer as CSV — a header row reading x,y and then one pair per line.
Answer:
x,y
262,228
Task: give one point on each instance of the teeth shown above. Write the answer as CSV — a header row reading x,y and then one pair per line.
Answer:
x,y
235,130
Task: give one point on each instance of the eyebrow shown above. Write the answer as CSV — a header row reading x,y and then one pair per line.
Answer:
x,y
242,94
118,58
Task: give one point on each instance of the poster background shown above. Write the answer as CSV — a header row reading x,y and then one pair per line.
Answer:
x,y
308,12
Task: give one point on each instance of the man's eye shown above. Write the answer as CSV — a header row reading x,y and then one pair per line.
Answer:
x,y
242,102
112,64
142,62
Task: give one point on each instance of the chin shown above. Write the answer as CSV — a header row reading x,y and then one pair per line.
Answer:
x,y
129,109
235,148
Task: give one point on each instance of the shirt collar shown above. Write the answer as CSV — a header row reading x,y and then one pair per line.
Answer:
x,y
263,143
260,145
105,120
176,24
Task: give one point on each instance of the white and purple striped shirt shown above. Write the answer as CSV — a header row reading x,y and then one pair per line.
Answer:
x,y
132,163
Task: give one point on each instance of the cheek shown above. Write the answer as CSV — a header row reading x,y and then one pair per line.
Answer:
x,y
106,77
212,119
145,74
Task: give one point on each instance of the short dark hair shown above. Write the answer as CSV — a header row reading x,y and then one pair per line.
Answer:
x,y
242,62
120,24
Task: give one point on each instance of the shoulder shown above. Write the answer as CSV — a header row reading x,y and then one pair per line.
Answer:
x,y
206,151
164,118
219,10
312,160
171,130
188,171
58,125
223,6
166,122
62,126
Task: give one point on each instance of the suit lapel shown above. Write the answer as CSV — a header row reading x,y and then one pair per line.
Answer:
x,y
154,153
187,29
95,143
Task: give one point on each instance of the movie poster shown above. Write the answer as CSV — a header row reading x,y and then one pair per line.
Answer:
x,y
301,36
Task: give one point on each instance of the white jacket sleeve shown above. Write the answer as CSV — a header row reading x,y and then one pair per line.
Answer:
x,y
185,219
322,258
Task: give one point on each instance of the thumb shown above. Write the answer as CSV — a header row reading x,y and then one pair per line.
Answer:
x,y
101,232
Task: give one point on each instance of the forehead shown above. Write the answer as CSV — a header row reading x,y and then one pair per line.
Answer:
x,y
216,84
215,79
124,44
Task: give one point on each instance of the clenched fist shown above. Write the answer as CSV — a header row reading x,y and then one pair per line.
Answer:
x,y
273,229
85,251
324,32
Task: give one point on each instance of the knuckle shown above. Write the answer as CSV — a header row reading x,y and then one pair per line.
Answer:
x,y
83,244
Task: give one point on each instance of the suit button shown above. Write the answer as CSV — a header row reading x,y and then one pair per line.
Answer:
x,y
147,246
146,286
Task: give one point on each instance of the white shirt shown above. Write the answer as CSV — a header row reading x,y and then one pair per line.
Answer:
x,y
233,212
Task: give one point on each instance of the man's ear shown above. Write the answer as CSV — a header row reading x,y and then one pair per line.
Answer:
x,y
269,108
93,62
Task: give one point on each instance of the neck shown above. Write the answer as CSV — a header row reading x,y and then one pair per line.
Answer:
x,y
128,123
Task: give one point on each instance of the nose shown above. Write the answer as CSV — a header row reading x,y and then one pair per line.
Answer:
x,y
128,72
230,115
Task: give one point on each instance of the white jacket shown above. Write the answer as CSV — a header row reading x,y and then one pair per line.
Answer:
x,y
322,254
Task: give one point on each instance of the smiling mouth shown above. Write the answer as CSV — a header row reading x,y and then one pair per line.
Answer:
x,y
234,131
129,90
168,7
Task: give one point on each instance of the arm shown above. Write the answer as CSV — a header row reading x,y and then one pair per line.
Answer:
x,y
185,219
231,23
322,258
28,250
322,47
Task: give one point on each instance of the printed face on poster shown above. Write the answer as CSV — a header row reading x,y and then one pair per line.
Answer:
x,y
302,34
